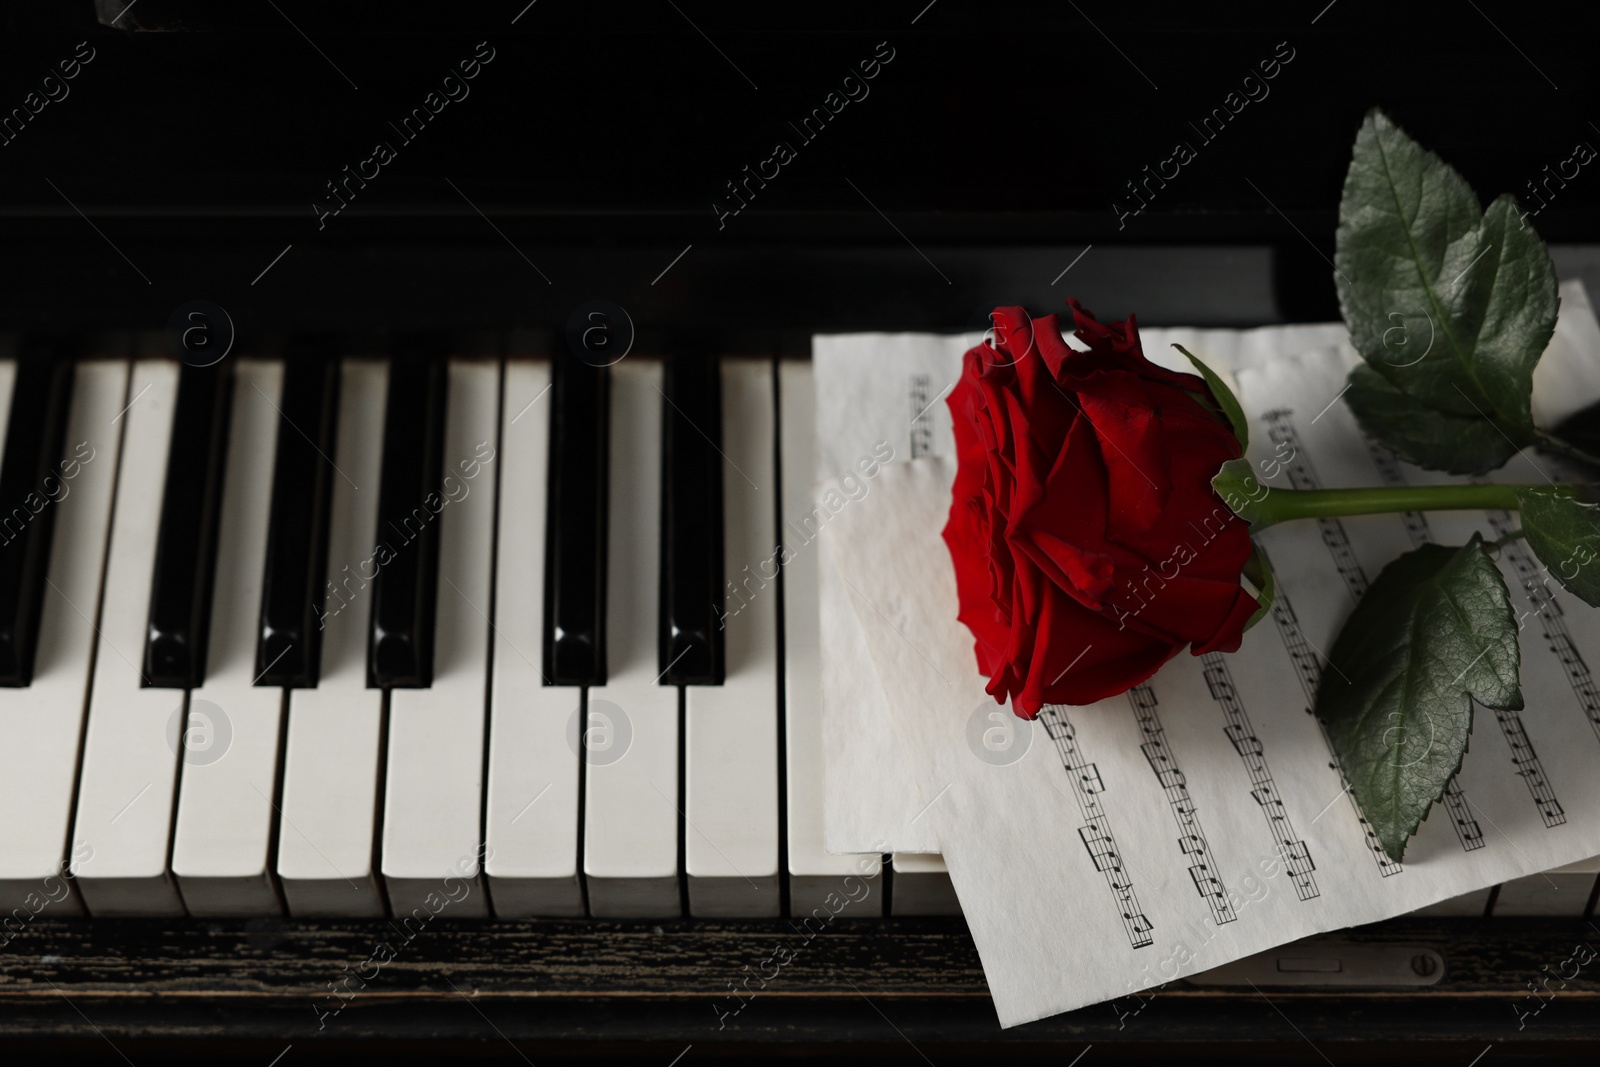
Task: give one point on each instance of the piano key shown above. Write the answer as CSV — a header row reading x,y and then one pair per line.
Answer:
x,y
731,730
1561,891
921,885
130,763
290,643
181,577
813,873
33,449
691,522
533,773
631,803
222,838
328,816
574,645
405,590
40,726
433,793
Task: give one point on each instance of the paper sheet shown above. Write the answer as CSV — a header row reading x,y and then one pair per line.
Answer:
x,y
889,389
1201,817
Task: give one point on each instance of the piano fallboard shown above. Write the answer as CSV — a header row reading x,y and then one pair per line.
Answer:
x,y
596,986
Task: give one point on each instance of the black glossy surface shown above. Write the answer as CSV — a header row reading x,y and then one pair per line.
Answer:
x,y
289,646
186,544
575,547
691,639
31,484
405,588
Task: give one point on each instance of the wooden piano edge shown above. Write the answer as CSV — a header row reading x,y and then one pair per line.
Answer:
x,y
580,983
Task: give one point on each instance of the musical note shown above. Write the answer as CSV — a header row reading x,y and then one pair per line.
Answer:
x,y
1245,745
1466,827
1221,688
1102,852
1267,799
1253,754
1530,769
1297,857
921,421
1191,840
1554,627
1095,833
1307,667
1208,886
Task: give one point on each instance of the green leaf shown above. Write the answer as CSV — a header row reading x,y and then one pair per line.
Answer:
x,y
1428,437
1451,306
1225,399
1235,482
1434,631
1565,534
1259,570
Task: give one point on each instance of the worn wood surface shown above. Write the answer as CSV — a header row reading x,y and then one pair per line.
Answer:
x,y
853,983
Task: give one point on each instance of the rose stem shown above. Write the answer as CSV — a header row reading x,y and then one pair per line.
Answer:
x,y
1280,505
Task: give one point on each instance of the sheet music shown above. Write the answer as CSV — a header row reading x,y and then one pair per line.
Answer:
x,y
1203,817
896,399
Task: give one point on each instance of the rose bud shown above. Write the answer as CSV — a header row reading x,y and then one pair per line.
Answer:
x,y
1089,546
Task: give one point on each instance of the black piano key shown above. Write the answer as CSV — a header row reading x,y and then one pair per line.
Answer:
x,y
31,484
575,548
289,646
186,543
691,646
405,590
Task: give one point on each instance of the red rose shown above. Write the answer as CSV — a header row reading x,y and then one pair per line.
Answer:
x,y
1088,544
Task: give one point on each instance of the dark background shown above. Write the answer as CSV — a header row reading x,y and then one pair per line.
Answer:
x,y
985,158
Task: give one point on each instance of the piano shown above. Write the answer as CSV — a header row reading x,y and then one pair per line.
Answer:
x,y
391,606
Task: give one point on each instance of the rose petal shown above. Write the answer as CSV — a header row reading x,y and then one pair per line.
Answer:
x,y
1132,448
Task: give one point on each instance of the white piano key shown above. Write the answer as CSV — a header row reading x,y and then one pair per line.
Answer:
x,y
813,873
433,841
129,775
1562,891
328,817
41,725
631,808
922,885
222,839
532,860
731,730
